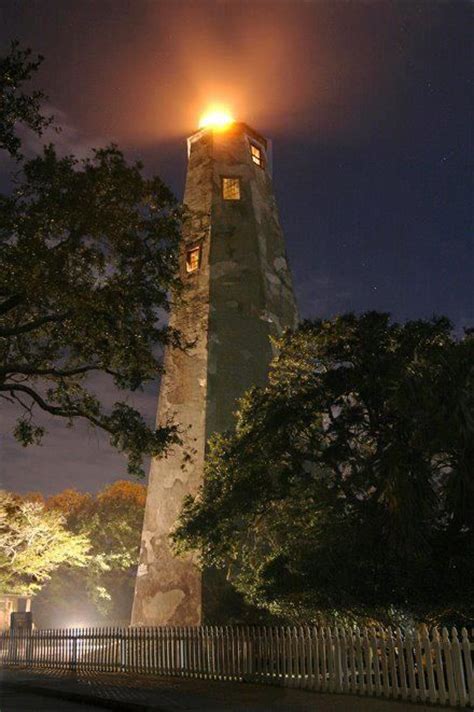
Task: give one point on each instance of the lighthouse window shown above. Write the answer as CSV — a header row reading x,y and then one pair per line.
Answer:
x,y
231,188
193,259
257,155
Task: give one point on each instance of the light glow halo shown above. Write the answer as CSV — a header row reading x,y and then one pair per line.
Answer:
x,y
216,118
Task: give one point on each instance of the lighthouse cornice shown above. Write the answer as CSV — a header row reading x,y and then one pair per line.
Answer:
x,y
236,127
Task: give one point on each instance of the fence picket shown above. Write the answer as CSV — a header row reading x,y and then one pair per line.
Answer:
x,y
250,653
401,664
460,681
367,661
467,648
284,669
410,662
277,640
346,665
447,650
383,644
267,654
361,677
314,643
420,667
337,662
324,660
296,657
289,652
351,663
308,662
392,674
430,690
374,646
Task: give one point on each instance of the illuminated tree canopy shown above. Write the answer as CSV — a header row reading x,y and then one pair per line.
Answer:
x,y
34,543
112,521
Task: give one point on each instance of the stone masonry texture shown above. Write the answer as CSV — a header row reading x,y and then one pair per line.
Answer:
x,y
239,297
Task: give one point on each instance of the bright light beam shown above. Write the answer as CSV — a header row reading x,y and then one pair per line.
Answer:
x,y
216,118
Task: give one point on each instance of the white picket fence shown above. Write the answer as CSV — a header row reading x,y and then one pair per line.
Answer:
x,y
435,668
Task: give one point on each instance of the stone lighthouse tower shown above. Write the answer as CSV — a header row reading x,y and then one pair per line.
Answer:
x,y
238,293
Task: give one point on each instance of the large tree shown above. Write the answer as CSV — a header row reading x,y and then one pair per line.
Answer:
x,y
34,543
346,487
112,521
88,261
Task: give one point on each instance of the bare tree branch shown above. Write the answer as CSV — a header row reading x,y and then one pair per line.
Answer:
x,y
7,398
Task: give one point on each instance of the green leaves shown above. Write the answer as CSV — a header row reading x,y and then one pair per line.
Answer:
x,y
34,542
112,521
28,434
16,68
344,484
129,434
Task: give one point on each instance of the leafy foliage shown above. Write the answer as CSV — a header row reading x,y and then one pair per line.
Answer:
x,y
88,261
34,543
112,521
18,107
346,488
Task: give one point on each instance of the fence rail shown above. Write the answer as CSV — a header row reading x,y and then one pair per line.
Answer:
x,y
434,667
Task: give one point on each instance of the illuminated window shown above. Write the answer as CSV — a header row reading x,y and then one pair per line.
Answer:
x,y
257,155
193,259
231,188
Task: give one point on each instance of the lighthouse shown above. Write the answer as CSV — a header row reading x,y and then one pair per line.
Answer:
x,y
237,294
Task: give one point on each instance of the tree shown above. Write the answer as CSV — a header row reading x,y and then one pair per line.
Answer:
x,y
346,487
88,263
112,521
34,543
17,107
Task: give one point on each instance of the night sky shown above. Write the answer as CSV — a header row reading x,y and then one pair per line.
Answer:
x,y
369,106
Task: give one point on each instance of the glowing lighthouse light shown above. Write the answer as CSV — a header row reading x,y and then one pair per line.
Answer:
x,y
216,119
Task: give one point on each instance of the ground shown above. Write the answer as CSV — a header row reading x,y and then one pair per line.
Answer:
x,y
11,701
24,691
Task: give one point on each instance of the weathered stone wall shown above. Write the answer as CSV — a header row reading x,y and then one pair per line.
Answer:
x,y
240,296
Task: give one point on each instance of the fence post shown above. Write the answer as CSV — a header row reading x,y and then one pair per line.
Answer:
x,y
361,676
428,650
73,664
123,650
393,674
337,661
346,665
367,661
29,648
440,666
383,640
466,648
458,667
410,661
447,649
375,648
296,656
308,658
420,668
